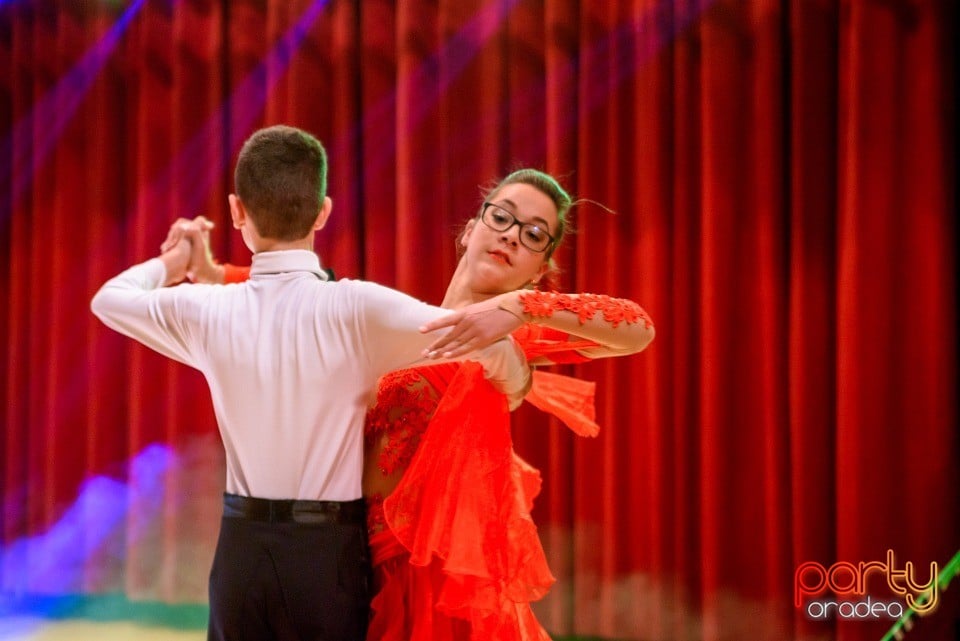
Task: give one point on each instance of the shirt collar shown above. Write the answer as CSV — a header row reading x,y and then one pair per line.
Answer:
x,y
287,260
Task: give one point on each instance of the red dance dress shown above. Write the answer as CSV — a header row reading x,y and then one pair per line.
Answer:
x,y
455,553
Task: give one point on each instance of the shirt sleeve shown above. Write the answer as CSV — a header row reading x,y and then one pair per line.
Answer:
x,y
391,321
135,304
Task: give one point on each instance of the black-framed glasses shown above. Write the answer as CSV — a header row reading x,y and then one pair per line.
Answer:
x,y
532,236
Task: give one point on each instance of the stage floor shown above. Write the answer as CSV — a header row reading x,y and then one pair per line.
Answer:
x,y
37,629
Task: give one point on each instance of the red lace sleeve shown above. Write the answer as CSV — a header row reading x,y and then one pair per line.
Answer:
x,y
585,306
234,274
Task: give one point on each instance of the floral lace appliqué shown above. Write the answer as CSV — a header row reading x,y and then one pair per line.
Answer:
x,y
585,306
376,520
405,404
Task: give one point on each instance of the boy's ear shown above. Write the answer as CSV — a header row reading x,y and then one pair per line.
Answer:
x,y
325,208
237,211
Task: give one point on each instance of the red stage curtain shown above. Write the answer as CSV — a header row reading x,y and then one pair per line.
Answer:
x,y
783,177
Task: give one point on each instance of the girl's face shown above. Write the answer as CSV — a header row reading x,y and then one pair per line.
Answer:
x,y
500,261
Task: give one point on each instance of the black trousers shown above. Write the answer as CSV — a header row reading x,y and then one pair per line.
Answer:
x,y
290,570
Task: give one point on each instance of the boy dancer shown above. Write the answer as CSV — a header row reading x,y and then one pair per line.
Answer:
x,y
292,361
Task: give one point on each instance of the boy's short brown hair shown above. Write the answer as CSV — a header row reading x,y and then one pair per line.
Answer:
x,y
281,177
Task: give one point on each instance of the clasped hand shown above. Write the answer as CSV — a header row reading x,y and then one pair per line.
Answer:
x,y
188,242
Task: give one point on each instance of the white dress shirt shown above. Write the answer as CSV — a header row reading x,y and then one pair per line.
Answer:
x,y
292,361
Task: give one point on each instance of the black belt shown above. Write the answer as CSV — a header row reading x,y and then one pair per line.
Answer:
x,y
293,511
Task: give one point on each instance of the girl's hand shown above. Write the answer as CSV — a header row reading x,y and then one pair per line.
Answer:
x,y
474,327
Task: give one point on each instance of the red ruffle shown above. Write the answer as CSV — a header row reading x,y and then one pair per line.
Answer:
x,y
405,597
556,346
569,399
477,493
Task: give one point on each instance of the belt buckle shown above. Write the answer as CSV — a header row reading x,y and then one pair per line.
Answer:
x,y
312,516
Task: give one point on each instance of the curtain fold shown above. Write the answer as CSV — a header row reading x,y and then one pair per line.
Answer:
x,y
774,181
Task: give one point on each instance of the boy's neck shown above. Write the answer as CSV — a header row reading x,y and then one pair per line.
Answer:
x,y
271,245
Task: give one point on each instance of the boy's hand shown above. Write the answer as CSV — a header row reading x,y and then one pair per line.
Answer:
x,y
474,327
184,227
201,268
176,260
